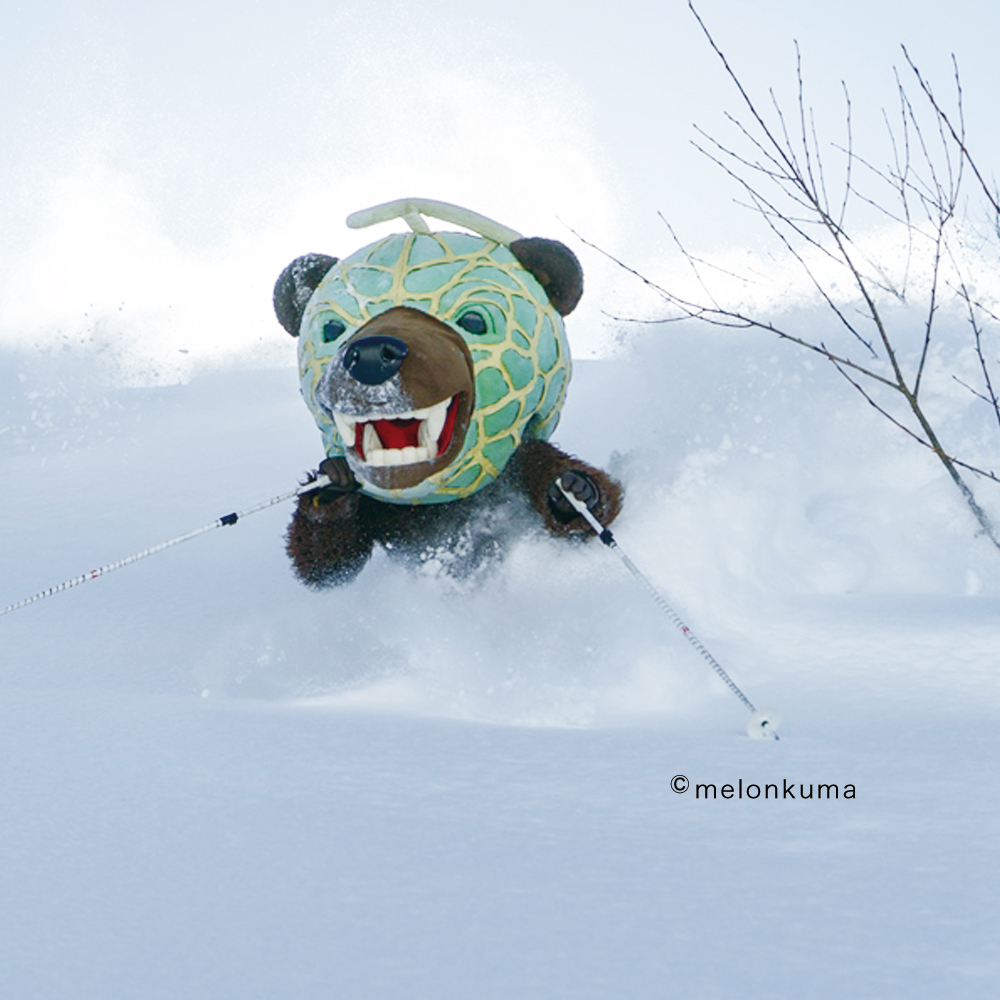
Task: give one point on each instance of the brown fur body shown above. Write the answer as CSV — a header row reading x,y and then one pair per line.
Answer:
x,y
333,533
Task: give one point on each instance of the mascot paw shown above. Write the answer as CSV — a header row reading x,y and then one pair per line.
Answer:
x,y
339,473
581,486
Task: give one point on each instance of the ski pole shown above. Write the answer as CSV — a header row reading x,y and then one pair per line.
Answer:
x,y
220,522
761,724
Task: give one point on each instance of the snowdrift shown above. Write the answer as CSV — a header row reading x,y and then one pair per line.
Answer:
x,y
219,783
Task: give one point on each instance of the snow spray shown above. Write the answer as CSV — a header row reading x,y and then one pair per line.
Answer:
x,y
761,724
225,520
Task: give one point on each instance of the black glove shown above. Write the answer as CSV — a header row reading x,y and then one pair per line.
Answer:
x,y
341,481
581,486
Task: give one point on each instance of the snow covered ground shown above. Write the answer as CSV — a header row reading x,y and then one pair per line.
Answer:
x,y
215,783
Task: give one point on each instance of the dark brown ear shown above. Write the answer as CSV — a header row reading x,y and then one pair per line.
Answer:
x,y
295,285
556,269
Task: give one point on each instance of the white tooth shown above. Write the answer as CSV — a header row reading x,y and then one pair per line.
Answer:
x,y
434,423
376,457
345,428
408,455
422,414
428,444
370,441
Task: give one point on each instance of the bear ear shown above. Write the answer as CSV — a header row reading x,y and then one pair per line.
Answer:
x,y
555,268
295,285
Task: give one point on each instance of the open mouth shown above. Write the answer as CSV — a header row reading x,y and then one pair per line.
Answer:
x,y
401,438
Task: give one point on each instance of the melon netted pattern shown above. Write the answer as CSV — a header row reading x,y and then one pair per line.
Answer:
x,y
521,363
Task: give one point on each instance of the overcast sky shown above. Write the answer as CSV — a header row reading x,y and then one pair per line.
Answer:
x,y
161,163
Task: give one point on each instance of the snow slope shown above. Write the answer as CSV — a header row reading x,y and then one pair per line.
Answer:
x,y
215,783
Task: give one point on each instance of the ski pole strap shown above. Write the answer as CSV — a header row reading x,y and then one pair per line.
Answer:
x,y
225,520
609,540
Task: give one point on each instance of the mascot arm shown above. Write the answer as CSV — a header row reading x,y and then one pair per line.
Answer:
x,y
540,464
328,540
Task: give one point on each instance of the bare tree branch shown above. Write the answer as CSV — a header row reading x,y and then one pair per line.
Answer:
x,y
783,177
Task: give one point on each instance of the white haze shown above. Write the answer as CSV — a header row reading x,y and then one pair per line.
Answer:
x,y
216,783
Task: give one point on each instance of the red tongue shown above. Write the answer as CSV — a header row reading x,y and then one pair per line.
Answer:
x,y
398,433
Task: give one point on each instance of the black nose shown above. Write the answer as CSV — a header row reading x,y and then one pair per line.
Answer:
x,y
374,360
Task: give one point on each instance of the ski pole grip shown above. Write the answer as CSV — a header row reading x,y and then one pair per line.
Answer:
x,y
584,511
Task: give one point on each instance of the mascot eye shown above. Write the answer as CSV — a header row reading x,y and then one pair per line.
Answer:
x,y
332,330
473,322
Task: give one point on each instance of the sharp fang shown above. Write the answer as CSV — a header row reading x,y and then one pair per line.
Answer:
x,y
345,428
372,445
431,427
428,443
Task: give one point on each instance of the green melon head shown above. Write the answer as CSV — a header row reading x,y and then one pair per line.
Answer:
x,y
427,357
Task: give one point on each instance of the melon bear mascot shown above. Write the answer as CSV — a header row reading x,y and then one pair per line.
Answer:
x,y
435,365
